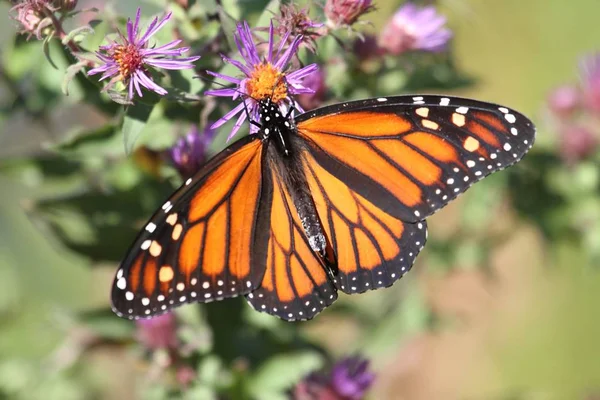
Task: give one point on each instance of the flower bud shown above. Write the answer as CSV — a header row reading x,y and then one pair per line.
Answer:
x,y
346,12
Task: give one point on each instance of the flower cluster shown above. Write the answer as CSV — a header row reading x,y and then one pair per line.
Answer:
x,y
129,58
576,112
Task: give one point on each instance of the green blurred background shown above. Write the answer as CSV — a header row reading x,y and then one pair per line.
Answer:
x,y
502,304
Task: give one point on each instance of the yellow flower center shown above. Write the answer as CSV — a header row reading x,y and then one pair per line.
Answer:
x,y
128,58
266,81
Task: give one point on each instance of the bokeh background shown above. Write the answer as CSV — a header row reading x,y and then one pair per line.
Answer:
x,y
501,304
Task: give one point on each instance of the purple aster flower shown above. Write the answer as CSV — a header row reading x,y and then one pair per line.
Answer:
x,y
590,76
346,12
189,153
266,77
158,333
349,380
415,28
127,60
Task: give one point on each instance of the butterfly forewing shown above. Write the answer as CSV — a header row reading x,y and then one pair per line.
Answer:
x,y
411,155
200,246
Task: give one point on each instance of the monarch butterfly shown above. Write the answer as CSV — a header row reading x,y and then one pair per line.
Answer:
x,y
333,199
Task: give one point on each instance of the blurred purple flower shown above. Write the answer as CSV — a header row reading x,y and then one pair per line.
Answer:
x,y
349,380
158,332
264,78
127,60
415,28
31,16
590,74
293,21
346,12
577,142
316,82
366,48
564,100
189,152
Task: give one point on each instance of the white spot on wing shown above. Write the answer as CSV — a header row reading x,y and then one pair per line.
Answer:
x,y
444,101
462,110
122,283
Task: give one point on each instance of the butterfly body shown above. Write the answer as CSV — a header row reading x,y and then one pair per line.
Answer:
x,y
332,200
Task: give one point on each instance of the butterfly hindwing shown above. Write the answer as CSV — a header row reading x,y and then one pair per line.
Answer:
x,y
411,155
200,246
372,248
296,285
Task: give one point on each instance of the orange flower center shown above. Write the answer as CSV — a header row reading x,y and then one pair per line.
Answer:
x,y
266,81
128,58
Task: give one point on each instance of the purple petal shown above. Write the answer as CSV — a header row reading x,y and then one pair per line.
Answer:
x,y
270,52
153,29
227,116
282,43
172,64
221,92
130,91
246,37
224,77
149,83
237,64
285,58
302,72
97,70
163,48
237,125
136,83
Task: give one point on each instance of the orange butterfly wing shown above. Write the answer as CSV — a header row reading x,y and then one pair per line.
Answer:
x,y
203,244
411,159
372,248
377,168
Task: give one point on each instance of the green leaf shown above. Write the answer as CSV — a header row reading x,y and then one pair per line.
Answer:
x,y
228,23
270,10
72,70
81,31
47,51
134,122
281,372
